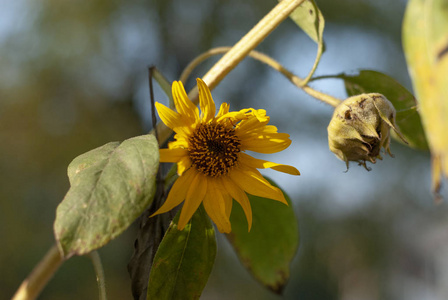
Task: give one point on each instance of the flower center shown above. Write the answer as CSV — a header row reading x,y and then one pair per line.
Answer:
x,y
214,149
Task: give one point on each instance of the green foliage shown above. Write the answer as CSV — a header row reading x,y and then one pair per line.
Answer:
x,y
268,249
308,17
184,260
110,187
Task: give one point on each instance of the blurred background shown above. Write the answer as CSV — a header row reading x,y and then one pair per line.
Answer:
x,y
73,76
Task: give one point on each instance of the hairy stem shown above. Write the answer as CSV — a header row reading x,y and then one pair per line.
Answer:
x,y
297,81
39,277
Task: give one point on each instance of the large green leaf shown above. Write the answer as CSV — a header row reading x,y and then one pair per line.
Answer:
x,y
184,260
425,42
110,187
268,249
309,17
408,119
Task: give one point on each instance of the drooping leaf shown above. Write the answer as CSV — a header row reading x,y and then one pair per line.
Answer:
x,y
309,17
408,119
425,42
184,260
268,249
110,187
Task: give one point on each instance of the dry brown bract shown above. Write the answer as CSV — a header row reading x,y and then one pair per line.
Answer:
x,y
360,127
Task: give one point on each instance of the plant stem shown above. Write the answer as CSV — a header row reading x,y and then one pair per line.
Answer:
x,y
41,274
297,81
99,271
251,40
239,51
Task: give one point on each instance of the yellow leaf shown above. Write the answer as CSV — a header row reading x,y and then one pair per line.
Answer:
x,y
425,42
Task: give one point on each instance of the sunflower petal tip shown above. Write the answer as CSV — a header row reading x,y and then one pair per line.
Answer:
x,y
180,225
225,230
199,80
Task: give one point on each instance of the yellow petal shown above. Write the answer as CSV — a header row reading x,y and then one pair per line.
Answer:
x,y
183,104
252,123
171,118
228,203
172,155
259,131
206,101
215,206
183,164
194,197
241,197
223,109
233,116
251,181
263,164
177,194
260,114
269,143
180,142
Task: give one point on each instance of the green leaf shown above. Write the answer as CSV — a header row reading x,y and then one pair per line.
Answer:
x,y
268,249
163,83
309,17
110,187
184,260
408,119
425,43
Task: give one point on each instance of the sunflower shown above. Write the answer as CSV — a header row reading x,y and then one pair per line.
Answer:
x,y
209,151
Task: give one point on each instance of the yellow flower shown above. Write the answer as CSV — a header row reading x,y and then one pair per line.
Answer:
x,y
209,151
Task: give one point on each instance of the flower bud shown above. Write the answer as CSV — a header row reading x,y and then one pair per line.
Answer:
x,y
360,127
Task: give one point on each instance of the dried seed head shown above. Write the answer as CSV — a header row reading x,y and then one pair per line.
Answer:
x,y
360,127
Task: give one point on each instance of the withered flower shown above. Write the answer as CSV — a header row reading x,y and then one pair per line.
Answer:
x,y
360,127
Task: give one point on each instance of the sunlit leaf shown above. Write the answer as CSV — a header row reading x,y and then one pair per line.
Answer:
x,y
268,249
110,187
184,260
425,42
309,17
408,119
